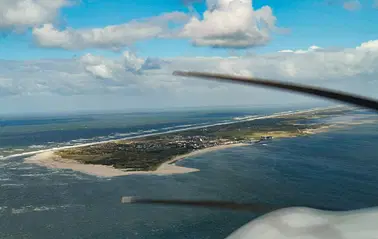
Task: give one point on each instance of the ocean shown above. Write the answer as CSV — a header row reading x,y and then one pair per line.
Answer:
x,y
334,169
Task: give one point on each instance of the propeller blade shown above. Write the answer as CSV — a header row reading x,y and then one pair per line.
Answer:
x,y
258,208
254,207
321,92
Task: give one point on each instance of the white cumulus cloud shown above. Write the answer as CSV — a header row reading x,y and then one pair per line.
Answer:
x,y
115,69
109,37
98,66
370,45
226,23
310,49
231,23
151,79
21,14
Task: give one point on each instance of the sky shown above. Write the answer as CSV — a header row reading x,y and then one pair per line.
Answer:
x,y
83,55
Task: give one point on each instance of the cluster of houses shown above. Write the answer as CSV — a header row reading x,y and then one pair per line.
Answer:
x,y
189,142
266,138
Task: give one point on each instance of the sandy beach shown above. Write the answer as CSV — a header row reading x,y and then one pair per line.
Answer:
x,y
47,158
50,160
339,125
275,115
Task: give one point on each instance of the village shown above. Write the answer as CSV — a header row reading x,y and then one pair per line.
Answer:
x,y
163,143
148,153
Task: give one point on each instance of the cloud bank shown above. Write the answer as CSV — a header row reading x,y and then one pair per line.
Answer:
x,y
109,37
226,23
350,69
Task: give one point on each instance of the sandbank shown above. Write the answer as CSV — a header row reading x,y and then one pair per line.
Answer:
x,y
50,160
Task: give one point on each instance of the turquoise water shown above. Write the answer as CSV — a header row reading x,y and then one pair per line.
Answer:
x,y
334,169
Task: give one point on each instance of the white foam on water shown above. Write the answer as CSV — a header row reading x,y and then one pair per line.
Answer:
x,y
20,168
168,128
152,132
11,151
3,209
185,125
29,209
244,117
59,184
79,140
32,175
65,173
12,185
122,134
19,150
37,146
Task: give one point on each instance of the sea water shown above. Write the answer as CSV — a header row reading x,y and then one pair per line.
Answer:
x,y
334,169
26,134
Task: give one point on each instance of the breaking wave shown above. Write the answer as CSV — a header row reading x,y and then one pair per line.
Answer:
x,y
37,146
244,117
20,168
28,209
130,135
35,174
79,140
3,209
12,185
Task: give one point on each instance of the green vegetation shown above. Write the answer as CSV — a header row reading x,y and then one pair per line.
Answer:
x,y
147,154
131,157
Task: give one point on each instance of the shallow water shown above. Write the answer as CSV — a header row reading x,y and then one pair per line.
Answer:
x,y
335,169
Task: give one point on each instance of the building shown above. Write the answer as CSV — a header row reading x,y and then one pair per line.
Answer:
x,y
266,137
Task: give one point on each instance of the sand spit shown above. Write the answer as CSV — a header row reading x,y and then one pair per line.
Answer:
x,y
50,160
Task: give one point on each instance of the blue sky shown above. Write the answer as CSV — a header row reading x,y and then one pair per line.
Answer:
x,y
310,22
122,52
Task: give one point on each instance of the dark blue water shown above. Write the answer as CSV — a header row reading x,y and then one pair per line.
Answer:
x,y
53,131
19,135
335,169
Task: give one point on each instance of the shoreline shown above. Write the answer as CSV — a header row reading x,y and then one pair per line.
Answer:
x,y
50,160
286,113
47,158
178,158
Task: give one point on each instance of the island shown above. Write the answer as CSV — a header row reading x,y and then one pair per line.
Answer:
x,y
157,154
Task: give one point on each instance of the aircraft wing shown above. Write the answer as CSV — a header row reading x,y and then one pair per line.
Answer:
x,y
307,223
